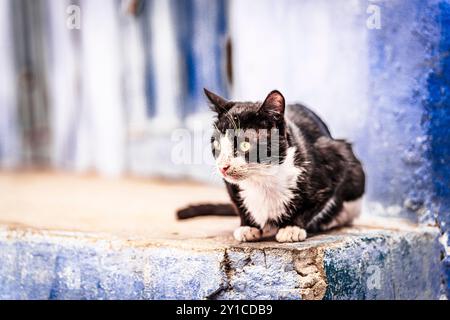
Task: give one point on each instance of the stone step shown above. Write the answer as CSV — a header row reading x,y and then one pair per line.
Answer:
x,y
72,237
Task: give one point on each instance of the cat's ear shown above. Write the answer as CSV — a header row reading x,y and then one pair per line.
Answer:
x,y
218,104
274,102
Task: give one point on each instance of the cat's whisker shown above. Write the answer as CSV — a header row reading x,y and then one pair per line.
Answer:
x,y
230,117
233,122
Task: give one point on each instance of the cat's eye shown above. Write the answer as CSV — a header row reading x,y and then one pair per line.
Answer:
x,y
216,145
244,146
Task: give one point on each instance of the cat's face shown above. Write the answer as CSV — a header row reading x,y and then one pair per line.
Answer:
x,y
249,138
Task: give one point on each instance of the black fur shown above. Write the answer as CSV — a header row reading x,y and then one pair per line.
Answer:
x,y
330,168
206,210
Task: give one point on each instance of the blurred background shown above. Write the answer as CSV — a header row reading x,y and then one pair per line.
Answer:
x,y
106,94
100,86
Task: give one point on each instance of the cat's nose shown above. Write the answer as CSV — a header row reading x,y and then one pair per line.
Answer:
x,y
224,169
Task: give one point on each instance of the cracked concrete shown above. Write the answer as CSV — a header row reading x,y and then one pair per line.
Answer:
x,y
310,267
141,252
39,264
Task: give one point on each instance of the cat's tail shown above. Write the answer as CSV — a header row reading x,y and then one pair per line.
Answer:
x,y
206,210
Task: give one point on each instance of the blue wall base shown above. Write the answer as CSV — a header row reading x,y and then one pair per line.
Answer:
x,y
355,263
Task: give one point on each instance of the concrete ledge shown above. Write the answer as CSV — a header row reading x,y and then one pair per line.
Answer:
x,y
75,237
355,263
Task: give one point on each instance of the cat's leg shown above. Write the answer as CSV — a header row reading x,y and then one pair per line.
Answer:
x,y
350,210
247,234
351,191
269,231
345,204
248,231
291,233
336,213
327,214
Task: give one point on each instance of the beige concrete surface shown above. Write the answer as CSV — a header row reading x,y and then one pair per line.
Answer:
x,y
131,208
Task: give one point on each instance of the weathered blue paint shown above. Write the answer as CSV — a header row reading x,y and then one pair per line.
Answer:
x,y
400,56
45,265
369,268
201,30
71,270
144,17
437,108
409,129
447,275
258,274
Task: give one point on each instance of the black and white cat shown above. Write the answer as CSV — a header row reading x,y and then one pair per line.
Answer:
x,y
301,181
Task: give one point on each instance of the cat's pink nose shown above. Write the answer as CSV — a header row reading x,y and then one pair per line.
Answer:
x,y
224,169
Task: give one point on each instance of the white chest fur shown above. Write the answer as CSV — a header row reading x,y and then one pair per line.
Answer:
x,y
265,195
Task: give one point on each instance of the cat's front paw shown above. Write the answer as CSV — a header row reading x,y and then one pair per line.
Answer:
x,y
291,234
245,234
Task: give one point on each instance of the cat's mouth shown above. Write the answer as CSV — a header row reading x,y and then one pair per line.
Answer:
x,y
232,177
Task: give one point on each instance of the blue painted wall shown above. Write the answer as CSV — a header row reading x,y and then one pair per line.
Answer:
x,y
409,119
438,125
400,63
201,27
